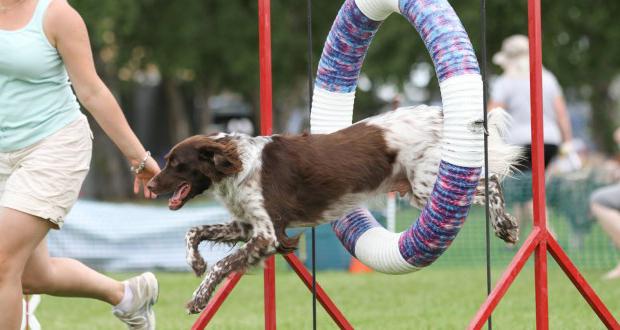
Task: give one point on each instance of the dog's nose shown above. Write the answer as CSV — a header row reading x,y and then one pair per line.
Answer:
x,y
151,185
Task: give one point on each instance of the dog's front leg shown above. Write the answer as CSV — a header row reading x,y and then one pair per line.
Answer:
x,y
250,254
504,224
231,232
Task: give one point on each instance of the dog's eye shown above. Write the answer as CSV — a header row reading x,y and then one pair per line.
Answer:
x,y
207,155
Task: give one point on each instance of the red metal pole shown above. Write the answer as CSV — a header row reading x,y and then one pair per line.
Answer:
x,y
217,301
323,298
538,167
540,240
540,283
264,41
270,293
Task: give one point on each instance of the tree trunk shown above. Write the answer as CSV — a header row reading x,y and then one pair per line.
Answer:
x,y
177,114
603,123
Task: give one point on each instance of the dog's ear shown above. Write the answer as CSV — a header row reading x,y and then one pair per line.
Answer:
x,y
221,155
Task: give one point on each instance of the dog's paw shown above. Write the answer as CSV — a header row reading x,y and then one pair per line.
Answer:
x,y
195,307
199,266
199,300
506,228
286,245
285,250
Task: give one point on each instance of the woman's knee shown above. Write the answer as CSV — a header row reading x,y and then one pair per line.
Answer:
x,y
31,283
10,268
38,280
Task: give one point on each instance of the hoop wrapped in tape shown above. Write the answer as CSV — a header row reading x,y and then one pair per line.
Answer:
x,y
462,145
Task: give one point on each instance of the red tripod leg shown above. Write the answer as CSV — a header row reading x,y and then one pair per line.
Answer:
x,y
323,298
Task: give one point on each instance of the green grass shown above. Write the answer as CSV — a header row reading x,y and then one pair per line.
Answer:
x,y
444,296
434,298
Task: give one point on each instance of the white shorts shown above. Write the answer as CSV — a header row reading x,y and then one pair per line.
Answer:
x,y
44,179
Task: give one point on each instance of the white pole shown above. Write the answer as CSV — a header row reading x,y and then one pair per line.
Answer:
x,y
390,212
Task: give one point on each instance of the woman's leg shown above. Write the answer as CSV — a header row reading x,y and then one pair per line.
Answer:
x,y
67,278
132,300
610,222
20,234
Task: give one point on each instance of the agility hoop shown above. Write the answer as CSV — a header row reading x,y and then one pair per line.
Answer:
x,y
463,139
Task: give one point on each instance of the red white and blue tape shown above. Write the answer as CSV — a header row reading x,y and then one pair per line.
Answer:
x,y
462,144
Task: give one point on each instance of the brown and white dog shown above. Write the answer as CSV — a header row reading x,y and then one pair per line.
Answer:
x,y
271,183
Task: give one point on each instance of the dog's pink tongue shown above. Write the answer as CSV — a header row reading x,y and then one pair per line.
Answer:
x,y
179,195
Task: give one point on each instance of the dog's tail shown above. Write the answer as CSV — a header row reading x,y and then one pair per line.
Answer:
x,y
502,156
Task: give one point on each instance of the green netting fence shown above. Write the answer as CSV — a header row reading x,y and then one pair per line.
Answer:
x,y
568,215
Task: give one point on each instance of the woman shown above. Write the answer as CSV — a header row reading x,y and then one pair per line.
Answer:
x,y
45,150
605,206
511,91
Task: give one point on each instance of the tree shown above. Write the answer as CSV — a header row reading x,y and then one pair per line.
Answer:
x,y
201,48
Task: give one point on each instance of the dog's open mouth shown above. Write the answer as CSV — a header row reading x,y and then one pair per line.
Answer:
x,y
180,195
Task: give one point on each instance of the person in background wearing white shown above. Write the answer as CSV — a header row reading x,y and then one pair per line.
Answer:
x,y
45,151
511,91
605,206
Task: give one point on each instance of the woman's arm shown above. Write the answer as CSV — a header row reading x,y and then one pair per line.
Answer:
x,y
563,118
67,32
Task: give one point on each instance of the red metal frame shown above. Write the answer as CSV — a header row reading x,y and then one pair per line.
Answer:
x,y
217,300
323,298
264,39
540,240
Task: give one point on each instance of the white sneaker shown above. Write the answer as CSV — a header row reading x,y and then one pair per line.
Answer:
x,y
145,291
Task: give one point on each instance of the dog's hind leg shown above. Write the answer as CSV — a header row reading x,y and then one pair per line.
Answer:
x,y
504,224
229,233
250,254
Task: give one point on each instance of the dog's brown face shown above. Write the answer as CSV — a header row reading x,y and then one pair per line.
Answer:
x,y
193,165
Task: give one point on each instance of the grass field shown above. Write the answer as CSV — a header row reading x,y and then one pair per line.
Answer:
x,y
444,296
434,298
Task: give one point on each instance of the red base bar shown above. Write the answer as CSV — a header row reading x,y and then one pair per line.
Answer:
x,y
323,298
217,301
270,305
542,241
581,284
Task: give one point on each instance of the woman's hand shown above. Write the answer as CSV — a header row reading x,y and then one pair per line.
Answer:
x,y
142,179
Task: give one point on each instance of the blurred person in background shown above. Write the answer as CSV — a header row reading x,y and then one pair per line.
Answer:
x,y
605,206
45,152
511,91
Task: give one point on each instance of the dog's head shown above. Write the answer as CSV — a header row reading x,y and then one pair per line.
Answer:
x,y
193,165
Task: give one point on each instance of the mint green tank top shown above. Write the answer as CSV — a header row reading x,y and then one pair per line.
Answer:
x,y
36,99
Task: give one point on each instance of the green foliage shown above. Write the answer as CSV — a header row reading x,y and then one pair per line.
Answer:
x,y
215,44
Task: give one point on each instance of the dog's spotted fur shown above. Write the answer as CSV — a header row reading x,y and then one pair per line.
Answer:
x,y
272,183
228,233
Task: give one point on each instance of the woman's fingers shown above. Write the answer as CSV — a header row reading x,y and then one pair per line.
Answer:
x,y
148,193
151,169
136,185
